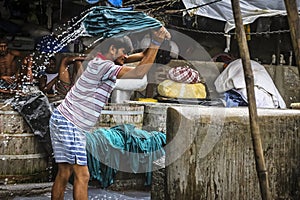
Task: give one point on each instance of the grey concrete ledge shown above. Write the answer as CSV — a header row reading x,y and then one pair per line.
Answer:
x,y
29,189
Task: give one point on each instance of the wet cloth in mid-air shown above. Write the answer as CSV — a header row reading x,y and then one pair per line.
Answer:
x,y
108,21
99,22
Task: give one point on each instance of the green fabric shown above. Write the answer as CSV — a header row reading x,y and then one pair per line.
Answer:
x,y
108,21
106,148
103,22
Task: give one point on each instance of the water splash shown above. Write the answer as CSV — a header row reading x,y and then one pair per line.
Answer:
x,y
98,23
72,31
61,37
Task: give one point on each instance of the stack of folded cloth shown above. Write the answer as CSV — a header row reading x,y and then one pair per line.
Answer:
x,y
183,82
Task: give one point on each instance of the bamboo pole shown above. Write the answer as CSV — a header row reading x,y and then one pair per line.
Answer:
x,y
293,18
255,134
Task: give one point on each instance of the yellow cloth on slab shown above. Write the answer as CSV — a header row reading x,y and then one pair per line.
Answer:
x,y
169,88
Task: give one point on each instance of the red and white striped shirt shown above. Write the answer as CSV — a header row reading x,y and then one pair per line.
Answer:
x,y
84,102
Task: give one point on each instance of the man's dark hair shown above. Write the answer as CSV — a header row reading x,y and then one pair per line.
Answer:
x,y
118,42
3,39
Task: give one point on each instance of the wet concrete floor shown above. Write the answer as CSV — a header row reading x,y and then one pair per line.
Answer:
x,y
97,194
94,193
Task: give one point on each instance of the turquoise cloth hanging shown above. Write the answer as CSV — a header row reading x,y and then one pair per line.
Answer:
x,y
107,148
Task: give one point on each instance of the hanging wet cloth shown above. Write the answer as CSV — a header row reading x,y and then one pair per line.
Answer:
x,y
108,149
36,110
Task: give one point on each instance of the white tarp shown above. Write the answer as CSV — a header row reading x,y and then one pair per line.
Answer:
x,y
251,10
267,95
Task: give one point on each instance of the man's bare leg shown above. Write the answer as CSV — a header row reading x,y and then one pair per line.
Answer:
x,y
81,180
61,181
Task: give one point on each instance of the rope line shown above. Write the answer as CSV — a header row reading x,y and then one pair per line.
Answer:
x,y
193,8
145,3
223,33
152,10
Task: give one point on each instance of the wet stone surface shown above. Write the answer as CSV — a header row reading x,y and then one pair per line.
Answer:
x,y
42,191
95,193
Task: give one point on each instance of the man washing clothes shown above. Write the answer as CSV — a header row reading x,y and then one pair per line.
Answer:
x,y
82,106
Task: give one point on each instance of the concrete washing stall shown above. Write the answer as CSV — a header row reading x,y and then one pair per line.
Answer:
x,y
210,154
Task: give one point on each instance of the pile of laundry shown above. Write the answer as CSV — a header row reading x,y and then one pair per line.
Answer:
x,y
183,82
123,147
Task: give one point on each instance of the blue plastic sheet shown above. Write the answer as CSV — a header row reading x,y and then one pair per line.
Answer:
x,y
116,3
